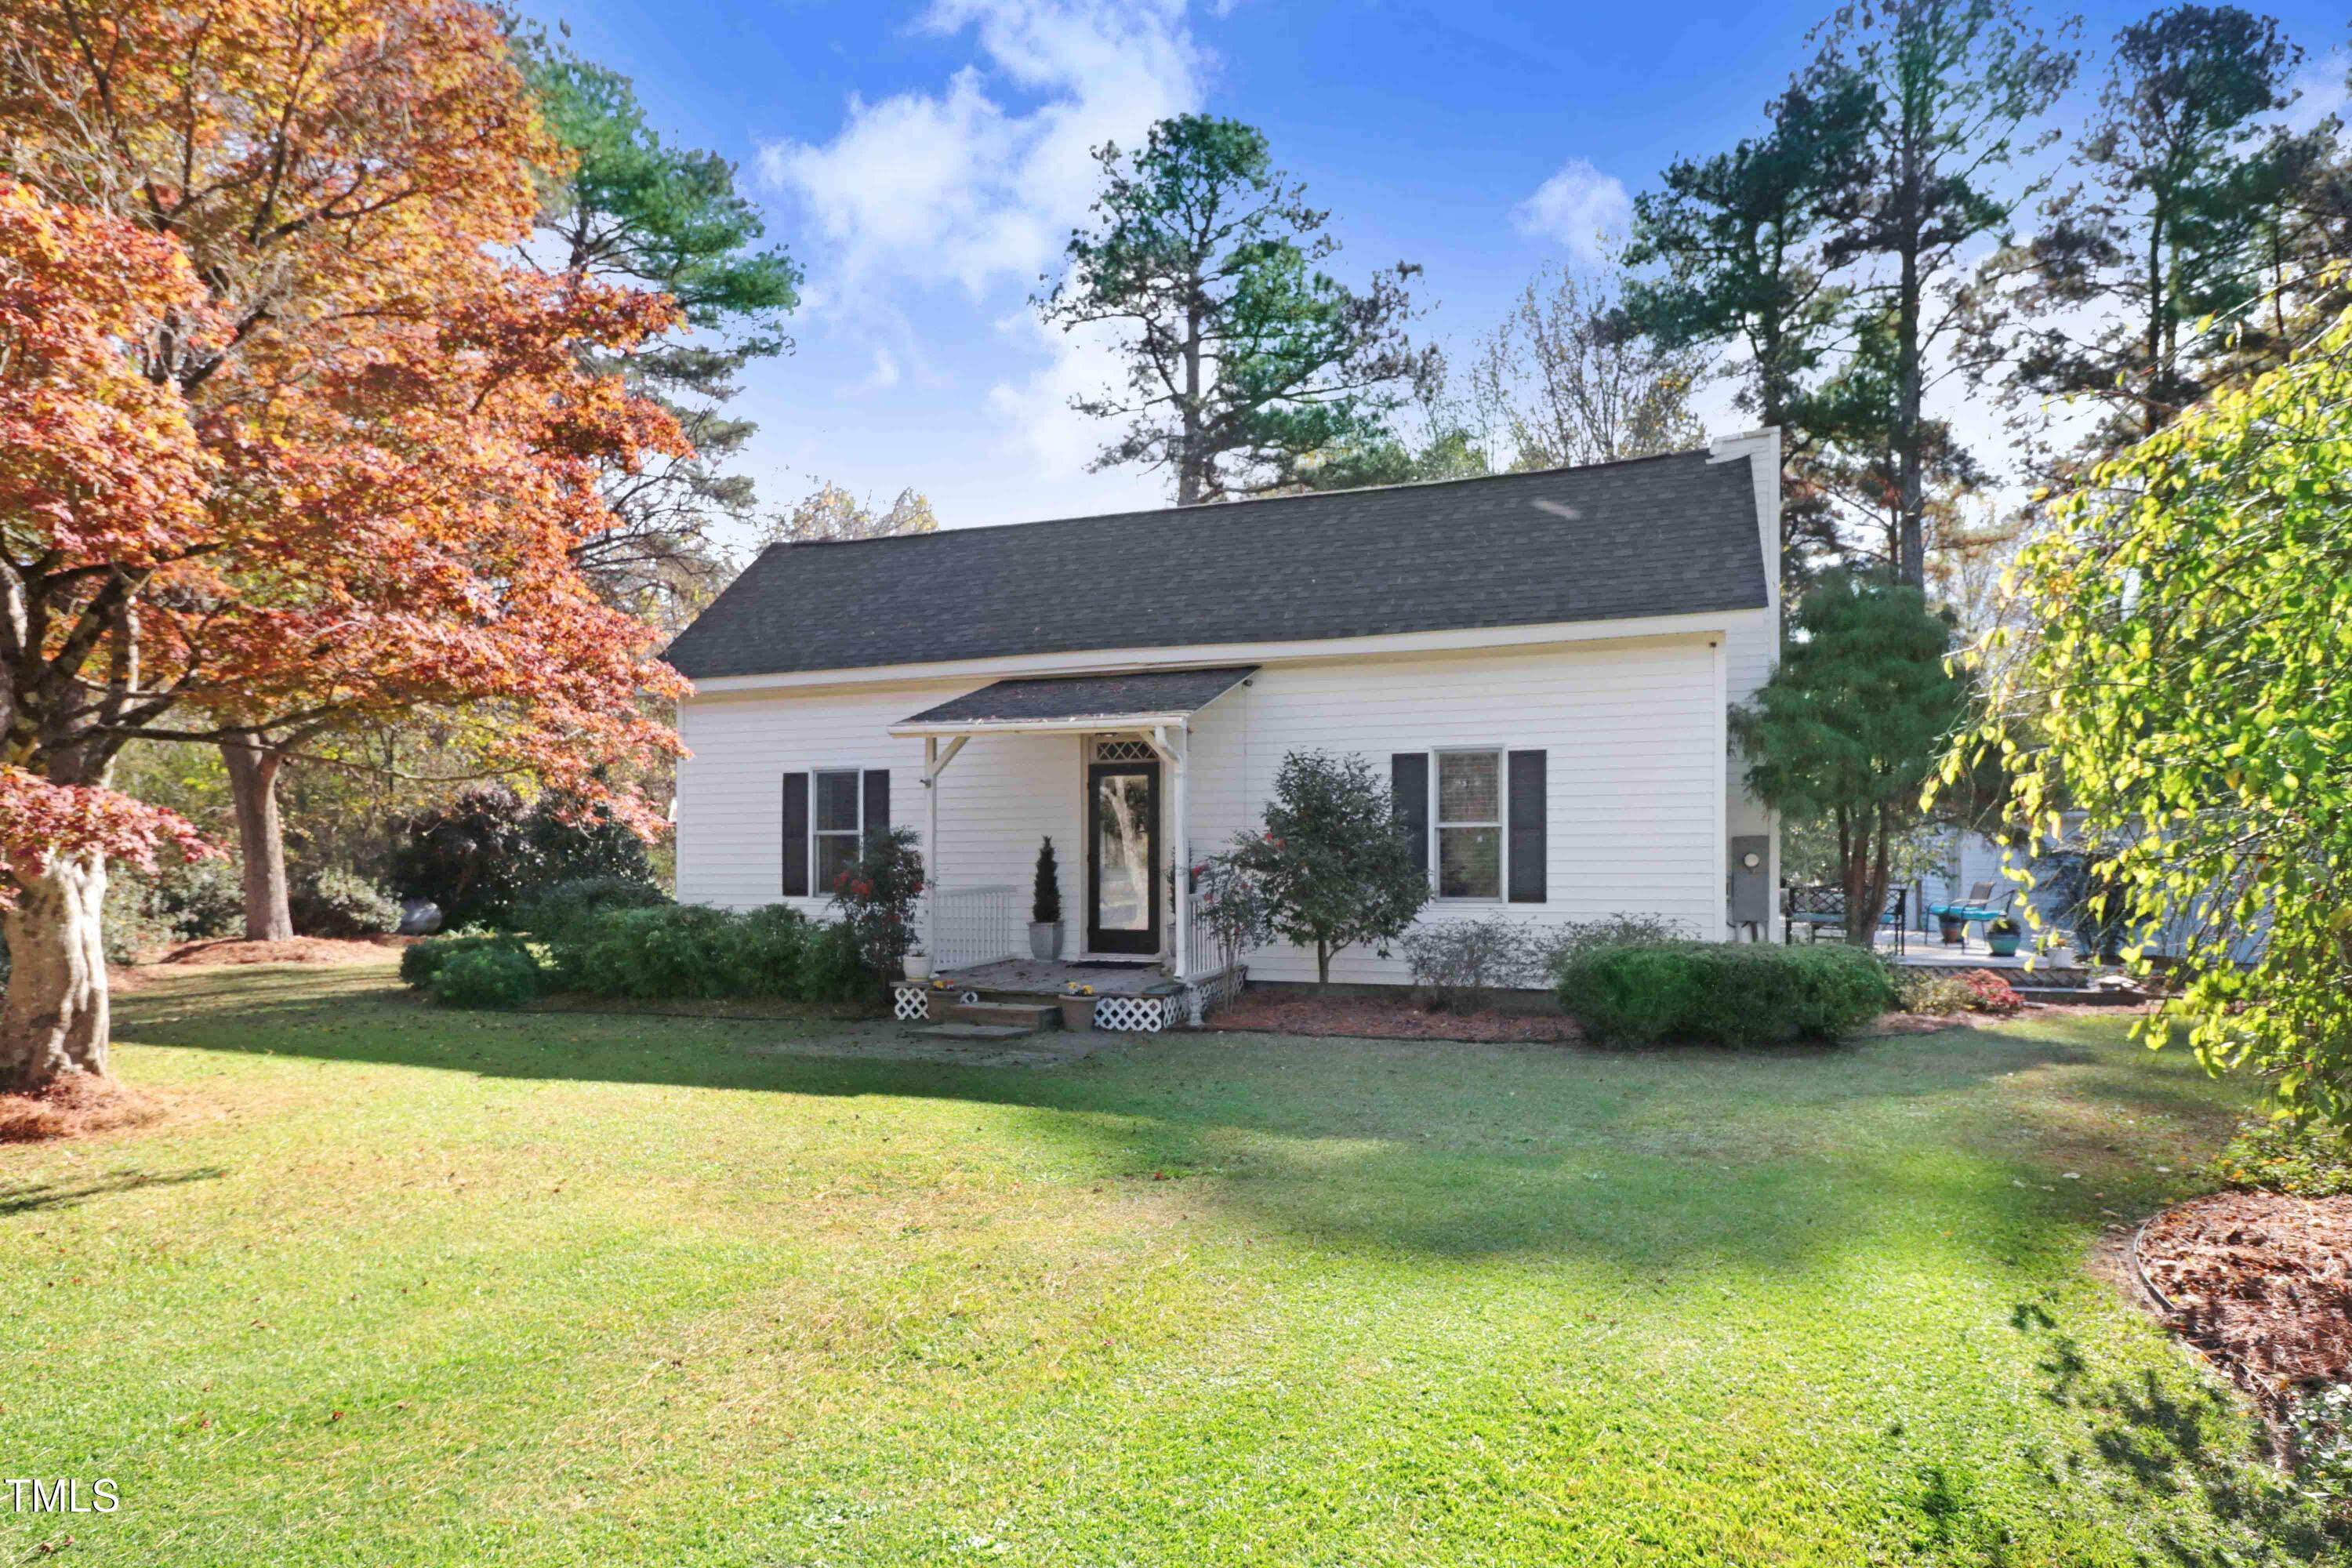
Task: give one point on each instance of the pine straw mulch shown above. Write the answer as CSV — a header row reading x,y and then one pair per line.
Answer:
x,y
295,950
75,1106
1370,1018
2262,1283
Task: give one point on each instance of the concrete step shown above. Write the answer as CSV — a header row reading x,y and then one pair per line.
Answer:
x,y
1024,1017
975,1031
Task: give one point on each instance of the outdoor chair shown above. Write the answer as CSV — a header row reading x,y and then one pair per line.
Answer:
x,y
1979,908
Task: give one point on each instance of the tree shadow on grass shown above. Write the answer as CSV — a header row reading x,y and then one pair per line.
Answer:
x,y
1664,1158
33,1197
2177,1439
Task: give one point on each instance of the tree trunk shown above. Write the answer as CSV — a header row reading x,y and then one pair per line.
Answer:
x,y
1322,967
55,1019
260,837
1911,546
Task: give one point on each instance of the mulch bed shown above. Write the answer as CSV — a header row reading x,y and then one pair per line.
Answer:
x,y
75,1106
2262,1283
1368,1018
297,950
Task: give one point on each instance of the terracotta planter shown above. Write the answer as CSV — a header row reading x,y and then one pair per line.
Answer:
x,y
1077,1011
1954,933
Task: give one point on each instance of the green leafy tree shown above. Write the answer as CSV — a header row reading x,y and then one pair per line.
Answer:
x,y
2109,292
1331,870
1731,246
1949,92
2188,688
1247,362
1853,722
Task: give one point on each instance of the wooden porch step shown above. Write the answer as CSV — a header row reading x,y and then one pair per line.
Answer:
x,y
1025,1017
975,1031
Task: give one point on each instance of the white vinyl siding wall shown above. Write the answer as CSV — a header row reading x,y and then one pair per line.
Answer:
x,y
1632,736
1636,778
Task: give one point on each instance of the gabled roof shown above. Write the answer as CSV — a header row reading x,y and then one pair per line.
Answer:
x,y
1651,536
1078,699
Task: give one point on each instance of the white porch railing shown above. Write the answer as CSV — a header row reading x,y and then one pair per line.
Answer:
x,y
977,925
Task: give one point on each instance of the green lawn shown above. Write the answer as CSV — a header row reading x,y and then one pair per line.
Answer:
x,y
403,1286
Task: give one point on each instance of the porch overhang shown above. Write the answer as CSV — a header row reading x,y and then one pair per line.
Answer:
x,y
1078,704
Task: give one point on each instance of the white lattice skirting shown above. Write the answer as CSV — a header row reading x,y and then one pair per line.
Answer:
x,y
1145,1015
912,1003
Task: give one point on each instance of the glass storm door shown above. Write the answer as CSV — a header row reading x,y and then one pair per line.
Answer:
x,y
1122,847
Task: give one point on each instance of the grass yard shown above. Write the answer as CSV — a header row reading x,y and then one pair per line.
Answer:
x,y
403,1286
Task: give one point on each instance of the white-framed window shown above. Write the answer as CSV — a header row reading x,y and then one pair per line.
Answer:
x,y
837,824
1468,824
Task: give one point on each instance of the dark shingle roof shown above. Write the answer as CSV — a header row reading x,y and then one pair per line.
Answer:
x,y
1647,537
1089,696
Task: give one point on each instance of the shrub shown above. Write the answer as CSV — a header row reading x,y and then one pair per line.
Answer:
x,y
1946,993
766,949
478,854
1456,963
675,953
130,924
202,899
547,911
1555,945
875,894
1722,992
485,974
336,902
2313,1160
831,968
420,961
1332,865
1045,888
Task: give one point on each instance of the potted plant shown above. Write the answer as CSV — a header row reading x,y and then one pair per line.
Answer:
x,y
2003,936
918,964
1952,929
1046,906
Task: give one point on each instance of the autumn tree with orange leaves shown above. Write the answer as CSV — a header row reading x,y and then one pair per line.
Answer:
x,y
283,441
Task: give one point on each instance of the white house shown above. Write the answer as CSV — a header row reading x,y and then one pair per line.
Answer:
x,y
1542,663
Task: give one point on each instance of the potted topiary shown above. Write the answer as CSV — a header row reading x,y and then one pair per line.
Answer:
x,y
2003,936
1045,907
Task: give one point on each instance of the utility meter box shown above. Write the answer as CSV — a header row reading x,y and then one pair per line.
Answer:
x,y
1751,880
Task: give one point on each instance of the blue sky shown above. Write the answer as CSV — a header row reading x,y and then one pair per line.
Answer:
x,y
924,161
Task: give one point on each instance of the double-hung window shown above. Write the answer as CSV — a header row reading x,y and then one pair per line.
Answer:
x,y
1470,825
839,803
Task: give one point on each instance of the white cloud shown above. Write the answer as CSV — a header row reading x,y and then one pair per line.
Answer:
x,y
2321,83
975,184
1058,439
1576,206
885,373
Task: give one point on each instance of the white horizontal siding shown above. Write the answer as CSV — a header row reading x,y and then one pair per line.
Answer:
x,y
1633,737
1636,774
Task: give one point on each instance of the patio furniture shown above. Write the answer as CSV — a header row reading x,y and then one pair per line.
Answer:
x,y
1817,910
1979,908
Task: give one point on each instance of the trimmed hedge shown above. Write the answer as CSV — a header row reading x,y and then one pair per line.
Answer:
x,y
493,971
1722,994
669,952
486,974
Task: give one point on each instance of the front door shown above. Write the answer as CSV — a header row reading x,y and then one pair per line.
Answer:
x,y
1122,847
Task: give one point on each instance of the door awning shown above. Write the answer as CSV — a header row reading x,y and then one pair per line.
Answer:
x,y
1064,703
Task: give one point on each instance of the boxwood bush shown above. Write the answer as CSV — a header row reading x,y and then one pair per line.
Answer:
x,y
1722,992
488,973
663,952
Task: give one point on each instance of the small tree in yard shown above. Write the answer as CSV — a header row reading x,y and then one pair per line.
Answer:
x,y
1852,724
874,896
1332,865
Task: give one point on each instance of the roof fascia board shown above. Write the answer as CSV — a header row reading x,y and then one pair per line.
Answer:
x,y
1109,661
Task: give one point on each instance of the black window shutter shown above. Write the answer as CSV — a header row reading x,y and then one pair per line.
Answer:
x,y
796,835
1526,829
1409,777
878,802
